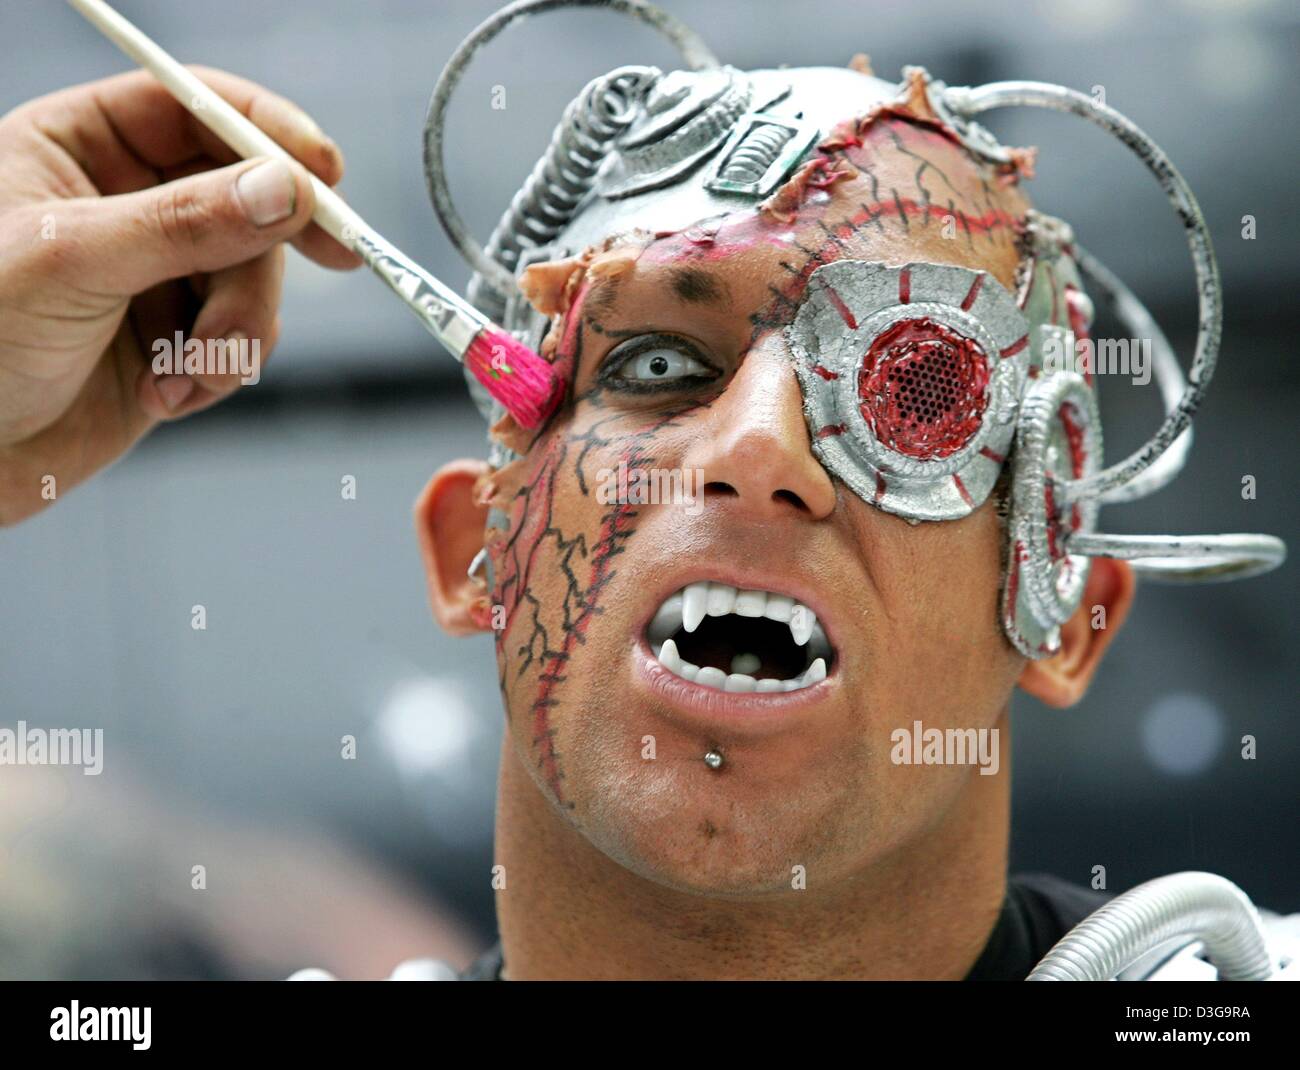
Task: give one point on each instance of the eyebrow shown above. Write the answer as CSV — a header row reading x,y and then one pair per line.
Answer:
x,y
603,295
692,285
698,287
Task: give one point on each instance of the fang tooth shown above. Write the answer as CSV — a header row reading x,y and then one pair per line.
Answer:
x,y
746,663
815,673
720,599
750,603
768,685
739,681
821,646
669,658
694,600
802,620
668,619
778,608
711,677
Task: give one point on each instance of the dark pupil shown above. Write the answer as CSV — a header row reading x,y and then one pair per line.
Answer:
x,y
658,365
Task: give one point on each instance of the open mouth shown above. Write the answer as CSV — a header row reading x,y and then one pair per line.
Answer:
x,y
729,639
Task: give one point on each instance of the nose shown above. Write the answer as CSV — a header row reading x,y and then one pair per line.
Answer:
x,y
756,449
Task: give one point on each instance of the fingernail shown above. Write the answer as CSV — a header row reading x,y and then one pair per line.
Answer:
x,y
174,389
267,193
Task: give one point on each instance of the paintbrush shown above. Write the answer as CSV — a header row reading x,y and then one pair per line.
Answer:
x,y
511,372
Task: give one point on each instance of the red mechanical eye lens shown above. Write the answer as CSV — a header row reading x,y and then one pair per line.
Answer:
x,y
923,388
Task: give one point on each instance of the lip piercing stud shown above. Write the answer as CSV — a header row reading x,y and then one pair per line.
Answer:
x,y
713,759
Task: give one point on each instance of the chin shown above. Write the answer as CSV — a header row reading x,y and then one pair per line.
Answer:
x,y
699,857
739,833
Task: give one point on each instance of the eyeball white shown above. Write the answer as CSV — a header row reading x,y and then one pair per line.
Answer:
x,y
661,364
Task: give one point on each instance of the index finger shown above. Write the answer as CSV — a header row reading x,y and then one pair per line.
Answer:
x,y
123,130
128,133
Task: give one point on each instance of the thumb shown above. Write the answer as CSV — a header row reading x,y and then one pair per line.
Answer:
x,y
127,243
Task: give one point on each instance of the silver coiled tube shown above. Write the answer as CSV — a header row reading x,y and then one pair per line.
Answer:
x,y
753,156
564,174
1200,906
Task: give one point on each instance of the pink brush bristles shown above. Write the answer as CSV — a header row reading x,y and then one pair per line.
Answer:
x,y
516,376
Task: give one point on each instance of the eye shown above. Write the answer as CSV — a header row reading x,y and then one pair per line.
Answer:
x,y
644,362
661,363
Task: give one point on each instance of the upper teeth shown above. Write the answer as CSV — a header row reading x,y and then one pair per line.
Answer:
x,y
692,604
689,606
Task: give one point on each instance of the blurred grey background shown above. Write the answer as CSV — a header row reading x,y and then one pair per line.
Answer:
x,y
223,746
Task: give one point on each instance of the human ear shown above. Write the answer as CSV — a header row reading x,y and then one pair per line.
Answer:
x,y
449,522
1062,679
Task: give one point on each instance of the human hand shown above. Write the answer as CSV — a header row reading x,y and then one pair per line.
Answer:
x,y
124,220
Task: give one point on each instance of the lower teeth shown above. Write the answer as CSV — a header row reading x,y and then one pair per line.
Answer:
x,y
708,676
745,663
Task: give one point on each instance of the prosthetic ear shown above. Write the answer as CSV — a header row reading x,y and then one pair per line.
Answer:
x,y
1062,679
449,522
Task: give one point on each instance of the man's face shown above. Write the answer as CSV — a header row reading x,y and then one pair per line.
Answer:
x,y
678,364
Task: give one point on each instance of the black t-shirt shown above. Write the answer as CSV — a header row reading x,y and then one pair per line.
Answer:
x,y
1039,909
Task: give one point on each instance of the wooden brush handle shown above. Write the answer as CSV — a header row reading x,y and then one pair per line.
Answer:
x,y
446,315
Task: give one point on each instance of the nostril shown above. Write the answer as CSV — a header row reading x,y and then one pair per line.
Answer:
x,y
727,490
792,498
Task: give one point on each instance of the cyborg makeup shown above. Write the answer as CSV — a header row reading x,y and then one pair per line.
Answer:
x,y
922,381
923,384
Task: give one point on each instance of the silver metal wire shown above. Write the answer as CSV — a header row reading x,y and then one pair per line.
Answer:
x,y
973,101
1139,323
1186,558
549,190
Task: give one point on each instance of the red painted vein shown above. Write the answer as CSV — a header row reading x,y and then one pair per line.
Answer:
x,y
961,489
972,293
1015,347
845,314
